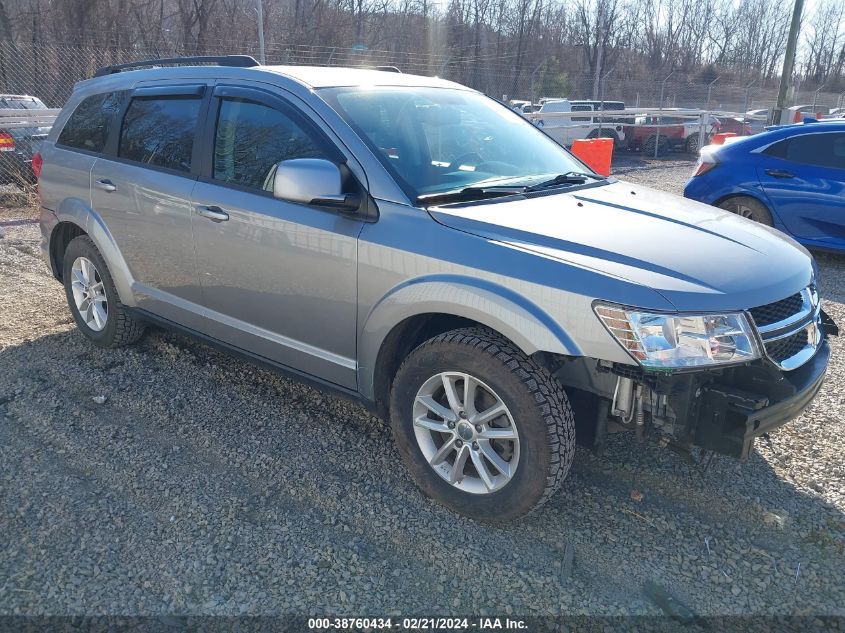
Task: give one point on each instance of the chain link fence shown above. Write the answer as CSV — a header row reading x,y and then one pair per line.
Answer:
x,y
49,71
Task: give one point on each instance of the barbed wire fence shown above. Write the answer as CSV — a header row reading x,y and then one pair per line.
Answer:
x,y
49,71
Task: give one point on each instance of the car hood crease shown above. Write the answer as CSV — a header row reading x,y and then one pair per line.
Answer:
x,y
698,257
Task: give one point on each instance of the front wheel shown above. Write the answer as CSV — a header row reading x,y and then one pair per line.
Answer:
x,y
482,428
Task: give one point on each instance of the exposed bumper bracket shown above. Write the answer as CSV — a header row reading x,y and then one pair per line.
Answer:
x,y
729,419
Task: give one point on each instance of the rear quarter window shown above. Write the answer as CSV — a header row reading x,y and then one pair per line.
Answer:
x,y
160,131
89,125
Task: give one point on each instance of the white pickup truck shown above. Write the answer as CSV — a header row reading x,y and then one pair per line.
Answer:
x,y
602,120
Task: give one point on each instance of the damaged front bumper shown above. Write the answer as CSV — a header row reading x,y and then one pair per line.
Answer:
x,y
722,410
728,416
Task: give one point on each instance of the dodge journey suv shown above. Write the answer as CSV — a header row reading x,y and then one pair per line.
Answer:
x,y
420,247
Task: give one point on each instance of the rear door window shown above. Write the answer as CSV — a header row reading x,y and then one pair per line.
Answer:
x,y
88,127
822,150
160,131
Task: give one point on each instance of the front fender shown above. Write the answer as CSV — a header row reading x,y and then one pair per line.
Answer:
x,y
79,212
523,322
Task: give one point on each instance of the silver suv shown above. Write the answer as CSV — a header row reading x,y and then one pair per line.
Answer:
x,y
420,247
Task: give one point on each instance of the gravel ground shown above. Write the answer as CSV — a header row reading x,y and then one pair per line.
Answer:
x,y
203,485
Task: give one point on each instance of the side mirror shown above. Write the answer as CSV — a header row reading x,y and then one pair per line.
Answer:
x,y
313,181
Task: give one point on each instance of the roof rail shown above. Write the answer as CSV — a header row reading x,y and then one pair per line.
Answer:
x,y
387,69
237,61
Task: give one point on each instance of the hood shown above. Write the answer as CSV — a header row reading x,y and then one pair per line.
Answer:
x,y
697,256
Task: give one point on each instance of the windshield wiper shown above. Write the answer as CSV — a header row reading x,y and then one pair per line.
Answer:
x,y
569,178
468,194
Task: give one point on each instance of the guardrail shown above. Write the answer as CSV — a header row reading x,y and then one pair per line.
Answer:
x,y
11,118
609,118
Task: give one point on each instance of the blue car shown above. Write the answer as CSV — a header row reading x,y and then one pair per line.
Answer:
x,y
790,177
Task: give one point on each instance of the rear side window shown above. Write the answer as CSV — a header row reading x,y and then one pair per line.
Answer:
x,y
253,138
823,150
581,108
160,131
88,127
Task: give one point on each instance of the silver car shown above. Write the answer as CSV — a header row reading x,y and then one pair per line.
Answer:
x,y
417,246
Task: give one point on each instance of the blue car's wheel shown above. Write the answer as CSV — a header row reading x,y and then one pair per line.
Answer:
x,y
749,208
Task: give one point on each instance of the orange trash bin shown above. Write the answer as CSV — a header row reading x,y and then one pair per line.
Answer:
x,y
596,152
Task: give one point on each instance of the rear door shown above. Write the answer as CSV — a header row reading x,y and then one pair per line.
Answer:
x,y
279,279
142,190
804,178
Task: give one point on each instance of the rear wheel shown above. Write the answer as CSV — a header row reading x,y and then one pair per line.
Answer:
x,y
482,428
605,133
92,297
649,145
749,208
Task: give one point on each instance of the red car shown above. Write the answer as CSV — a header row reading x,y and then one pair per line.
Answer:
x,y
643,136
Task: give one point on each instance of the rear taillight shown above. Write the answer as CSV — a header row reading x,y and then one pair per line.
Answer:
x,y
37,161
7,143
703,165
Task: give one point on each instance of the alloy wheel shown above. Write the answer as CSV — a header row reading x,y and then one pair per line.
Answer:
x,y
89,294
692,145
466,432
744,211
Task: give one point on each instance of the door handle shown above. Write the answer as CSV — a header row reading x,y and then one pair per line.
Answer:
x,y
215,214
780,173
106,185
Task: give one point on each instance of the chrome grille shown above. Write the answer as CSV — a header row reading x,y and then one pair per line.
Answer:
x,y
785,348
777,311
790,328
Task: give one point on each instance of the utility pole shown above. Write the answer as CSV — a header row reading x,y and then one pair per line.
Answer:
x,y
260,8
788,60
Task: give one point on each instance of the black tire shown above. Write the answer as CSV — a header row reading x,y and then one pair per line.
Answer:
x,y
748,207
651,141
691,144
605,133
121,328
540,410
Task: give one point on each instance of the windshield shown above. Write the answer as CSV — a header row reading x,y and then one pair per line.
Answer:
x,y
435,140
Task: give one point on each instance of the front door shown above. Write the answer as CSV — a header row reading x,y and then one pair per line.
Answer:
x,y
804,178
279,279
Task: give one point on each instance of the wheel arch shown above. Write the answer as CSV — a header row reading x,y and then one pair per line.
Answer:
x,y
423,308
76,218
62,235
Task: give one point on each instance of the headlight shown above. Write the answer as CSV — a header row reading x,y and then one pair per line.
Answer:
x,y
666,341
